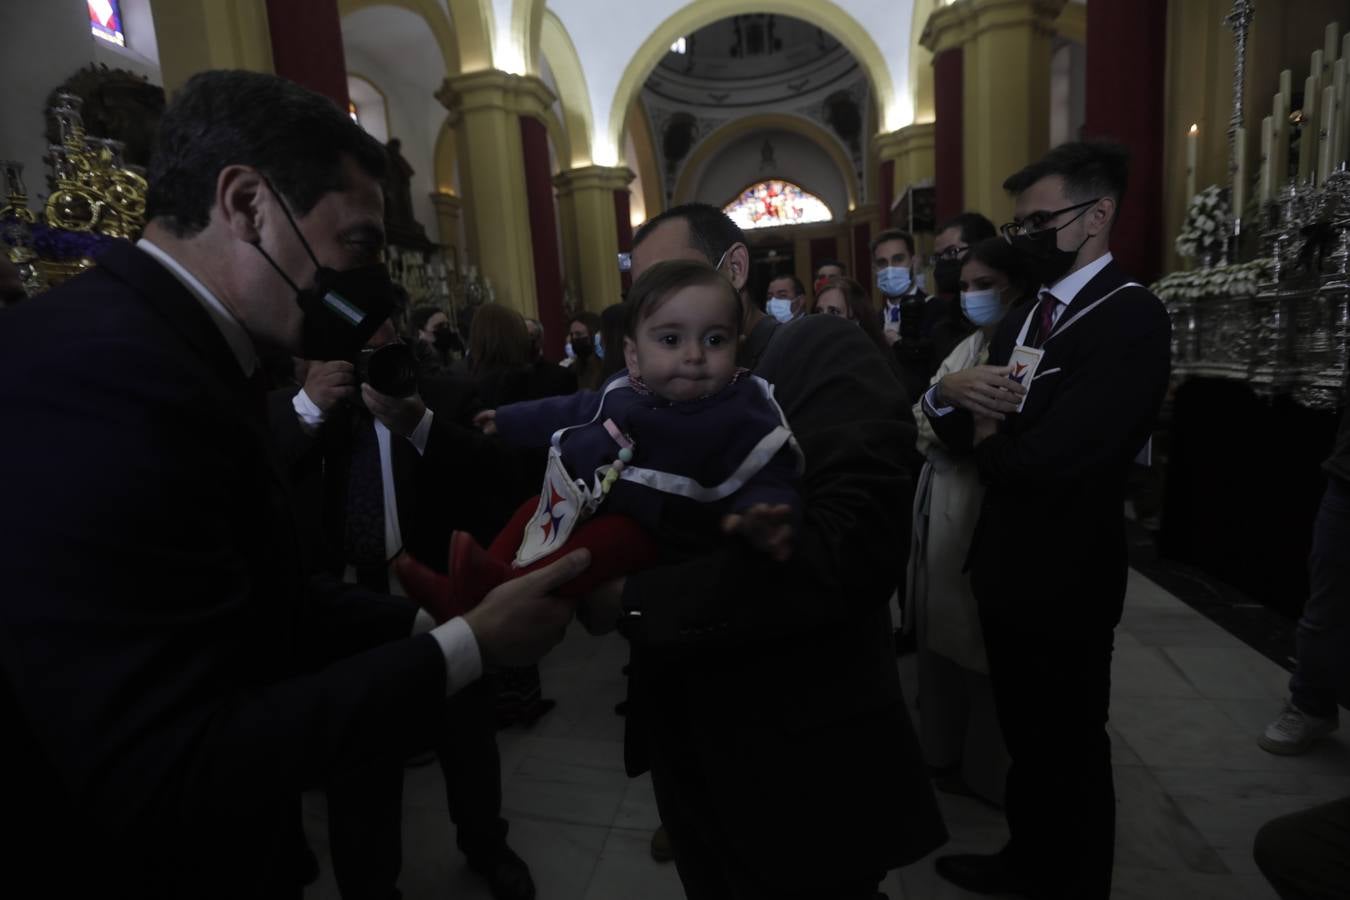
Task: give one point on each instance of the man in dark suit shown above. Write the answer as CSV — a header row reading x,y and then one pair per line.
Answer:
x,y
764,696
1048,559
168,680
344,455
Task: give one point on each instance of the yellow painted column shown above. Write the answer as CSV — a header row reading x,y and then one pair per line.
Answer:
x,y
485,109
1006,48
196,35
587,194
449,211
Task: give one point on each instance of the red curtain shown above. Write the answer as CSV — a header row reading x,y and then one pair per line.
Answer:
x,y
623,222
307,45
862,255
821,250
948,174
543,234
886,192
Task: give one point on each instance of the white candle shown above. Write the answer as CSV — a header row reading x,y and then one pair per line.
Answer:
x,y
1325,126
1331,43
1192,141
1240,176
1279,165
1287,87
1267,160
1315,68
1307,145
1334,123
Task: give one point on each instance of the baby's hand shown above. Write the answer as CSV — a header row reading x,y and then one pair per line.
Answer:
x,y
486,421
767,528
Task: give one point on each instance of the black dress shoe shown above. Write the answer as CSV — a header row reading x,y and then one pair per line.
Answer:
x,y
507,876
979,872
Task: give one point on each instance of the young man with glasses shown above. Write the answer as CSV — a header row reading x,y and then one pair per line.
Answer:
x,y
1091,360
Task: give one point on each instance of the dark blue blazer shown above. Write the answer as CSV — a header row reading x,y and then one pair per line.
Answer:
x,y
168,681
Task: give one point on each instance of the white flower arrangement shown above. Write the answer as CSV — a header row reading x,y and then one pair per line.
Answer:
x,y
1235,281
1208,223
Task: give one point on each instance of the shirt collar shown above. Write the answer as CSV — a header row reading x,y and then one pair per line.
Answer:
x,y
1067,288
241,345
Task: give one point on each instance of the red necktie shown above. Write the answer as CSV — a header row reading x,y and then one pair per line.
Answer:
x,y
1045,317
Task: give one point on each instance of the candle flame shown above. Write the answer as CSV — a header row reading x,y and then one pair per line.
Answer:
x,y
1195,129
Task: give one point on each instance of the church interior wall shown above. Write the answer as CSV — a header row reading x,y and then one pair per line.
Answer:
x,y
795,159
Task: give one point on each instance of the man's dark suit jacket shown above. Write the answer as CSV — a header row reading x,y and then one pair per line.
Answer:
x,y
1051,533
777,682
462,482
168,681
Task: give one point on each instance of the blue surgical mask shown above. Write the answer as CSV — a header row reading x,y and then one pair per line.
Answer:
x,y
781,309
599,347
894,281
568,351
983,307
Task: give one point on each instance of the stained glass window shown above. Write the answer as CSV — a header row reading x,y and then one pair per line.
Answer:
x,y
769,204
105,20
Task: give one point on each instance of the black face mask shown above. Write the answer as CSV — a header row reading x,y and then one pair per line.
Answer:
x,y
947,275
343,309
443,339
583,347
1040,252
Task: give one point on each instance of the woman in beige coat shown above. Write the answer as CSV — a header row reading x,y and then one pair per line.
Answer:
x,y
959,731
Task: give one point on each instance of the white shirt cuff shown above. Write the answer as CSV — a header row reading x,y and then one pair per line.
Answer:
x,y
930,404
421,434
311,417
463,662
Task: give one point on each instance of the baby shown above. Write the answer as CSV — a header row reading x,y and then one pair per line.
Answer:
x,y
682,425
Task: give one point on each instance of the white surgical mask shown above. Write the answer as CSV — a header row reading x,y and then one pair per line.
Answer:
x,y
894,281
983,307
781,309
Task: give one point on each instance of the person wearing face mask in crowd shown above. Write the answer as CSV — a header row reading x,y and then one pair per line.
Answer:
x,y
585,351
960,733
1087,364
908,315
950,245
786,299
170,679
828,268
546,379
436,346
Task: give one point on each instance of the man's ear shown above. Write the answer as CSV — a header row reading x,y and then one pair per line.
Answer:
x,y
630,357
240,193
738,265
1101,216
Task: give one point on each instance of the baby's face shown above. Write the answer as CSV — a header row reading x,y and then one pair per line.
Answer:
x,y
687,348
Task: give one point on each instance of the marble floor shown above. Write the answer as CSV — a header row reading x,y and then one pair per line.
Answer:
x,y
1193,787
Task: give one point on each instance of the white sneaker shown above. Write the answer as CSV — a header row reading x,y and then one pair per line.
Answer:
x,y
1295,731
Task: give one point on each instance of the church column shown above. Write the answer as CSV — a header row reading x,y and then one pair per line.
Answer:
x,y
1131,39
449,210
1005,90
909,151
307,45
589,193
548,278
486,107
195,35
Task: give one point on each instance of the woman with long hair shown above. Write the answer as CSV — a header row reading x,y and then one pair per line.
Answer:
x,y
960,735
842,296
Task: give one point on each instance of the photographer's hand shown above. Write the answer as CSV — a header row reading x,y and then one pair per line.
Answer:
x,y
329,383
401,415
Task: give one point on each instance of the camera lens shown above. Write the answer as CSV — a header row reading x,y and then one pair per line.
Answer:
x,y
390,370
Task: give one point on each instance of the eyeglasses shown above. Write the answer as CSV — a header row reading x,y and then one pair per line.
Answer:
x,y
1039,220
955,251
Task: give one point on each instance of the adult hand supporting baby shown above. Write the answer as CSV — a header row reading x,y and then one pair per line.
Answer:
x,y
523,619
767,528
599,612
486,421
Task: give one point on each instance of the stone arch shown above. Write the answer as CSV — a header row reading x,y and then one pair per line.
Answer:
x,y
430,12
557,47
734,130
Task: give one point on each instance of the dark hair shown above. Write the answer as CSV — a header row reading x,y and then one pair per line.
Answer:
x,y
711,231
999,255
832,262
295,137
892,234
1090,169
974,227
497,340
421,315
797,286
859,300
613,325
650,292
587,318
